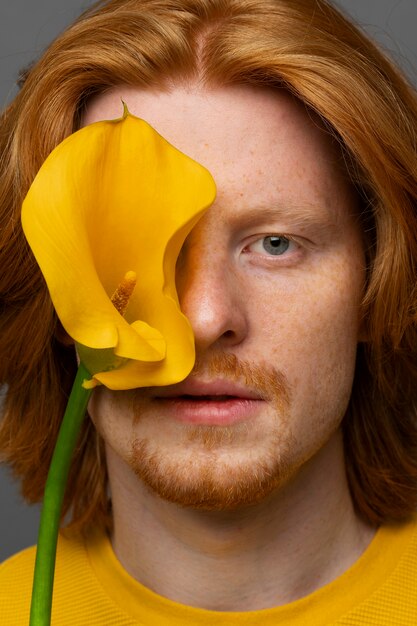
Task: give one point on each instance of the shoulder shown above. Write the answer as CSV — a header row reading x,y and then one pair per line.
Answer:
x,y
19,562
15,587
385,578
16,576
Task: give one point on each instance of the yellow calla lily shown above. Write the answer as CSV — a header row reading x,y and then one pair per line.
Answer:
x,y
111,207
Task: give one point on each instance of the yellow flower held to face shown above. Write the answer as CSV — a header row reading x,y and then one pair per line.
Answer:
x,y
106,217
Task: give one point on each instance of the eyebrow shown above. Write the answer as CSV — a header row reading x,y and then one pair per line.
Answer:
x,y
303,215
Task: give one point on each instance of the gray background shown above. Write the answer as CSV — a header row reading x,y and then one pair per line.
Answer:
x,y
26,27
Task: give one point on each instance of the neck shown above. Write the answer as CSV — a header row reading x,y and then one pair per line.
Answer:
x,y
297,540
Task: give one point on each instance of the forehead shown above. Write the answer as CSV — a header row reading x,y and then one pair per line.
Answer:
x,y
261,145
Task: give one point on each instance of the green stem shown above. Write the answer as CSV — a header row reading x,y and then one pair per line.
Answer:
x,y
43,579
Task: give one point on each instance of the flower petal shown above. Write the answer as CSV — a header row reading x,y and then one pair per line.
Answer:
x,y
112,198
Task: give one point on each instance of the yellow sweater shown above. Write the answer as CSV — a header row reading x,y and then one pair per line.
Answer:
x,y
92,589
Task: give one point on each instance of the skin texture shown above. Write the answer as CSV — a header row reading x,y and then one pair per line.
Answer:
x,y
256,512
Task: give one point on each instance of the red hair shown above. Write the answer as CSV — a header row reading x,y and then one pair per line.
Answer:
x,y
306,47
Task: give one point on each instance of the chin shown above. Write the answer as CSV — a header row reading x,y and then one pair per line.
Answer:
x,y
214,475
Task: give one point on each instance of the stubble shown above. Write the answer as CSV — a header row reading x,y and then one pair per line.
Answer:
x,y
215,468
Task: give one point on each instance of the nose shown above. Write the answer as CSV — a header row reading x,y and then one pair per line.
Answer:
x,y
210,294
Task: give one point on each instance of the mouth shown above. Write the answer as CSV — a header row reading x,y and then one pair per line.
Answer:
x,y
198,388
207,398
216,403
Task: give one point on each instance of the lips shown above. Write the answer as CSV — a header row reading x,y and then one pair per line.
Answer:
x,y
217,402
195,388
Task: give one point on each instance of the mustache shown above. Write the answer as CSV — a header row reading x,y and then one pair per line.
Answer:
x,y
265,379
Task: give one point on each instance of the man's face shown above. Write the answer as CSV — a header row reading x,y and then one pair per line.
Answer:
x,y
271,280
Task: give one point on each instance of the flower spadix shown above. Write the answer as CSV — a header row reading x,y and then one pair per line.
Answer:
x,y
106,217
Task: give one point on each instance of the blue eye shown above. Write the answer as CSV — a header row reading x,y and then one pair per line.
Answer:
x,y
275,245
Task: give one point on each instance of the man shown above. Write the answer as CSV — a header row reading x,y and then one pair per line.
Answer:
x,y
277,484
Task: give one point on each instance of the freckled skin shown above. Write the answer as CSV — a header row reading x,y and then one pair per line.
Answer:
x,y
304,319
298,313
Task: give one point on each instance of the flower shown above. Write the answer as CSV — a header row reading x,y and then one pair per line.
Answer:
x,y
106,217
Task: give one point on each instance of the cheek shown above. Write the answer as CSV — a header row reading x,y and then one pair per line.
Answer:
x,y
309,330
322,309
112,414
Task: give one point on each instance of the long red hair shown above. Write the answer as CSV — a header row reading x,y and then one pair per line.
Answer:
x,y
306,47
